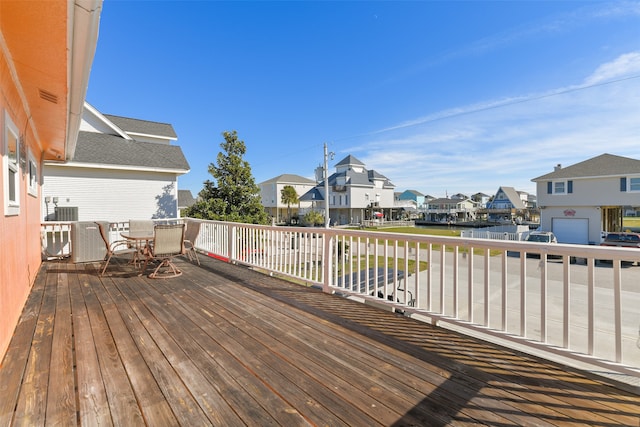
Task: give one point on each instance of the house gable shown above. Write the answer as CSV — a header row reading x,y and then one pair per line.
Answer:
x,y
137,175
270,190
506,198
605,180
94,121
601,166
144,130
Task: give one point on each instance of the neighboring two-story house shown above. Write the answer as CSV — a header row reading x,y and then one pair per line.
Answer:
x,y
356,193
481,199
450,210
414,196
506,206
121,169
271,196
185,200
578,202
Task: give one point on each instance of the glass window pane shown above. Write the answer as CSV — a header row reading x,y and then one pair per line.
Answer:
x,y
12,186
558,187
12,147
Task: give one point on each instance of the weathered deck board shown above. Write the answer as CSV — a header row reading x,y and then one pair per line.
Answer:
x,y
223,345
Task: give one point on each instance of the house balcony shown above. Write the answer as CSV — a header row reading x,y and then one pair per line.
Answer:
x,y
339,188
224,344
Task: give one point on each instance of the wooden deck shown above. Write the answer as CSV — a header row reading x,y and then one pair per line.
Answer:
x,y
223,345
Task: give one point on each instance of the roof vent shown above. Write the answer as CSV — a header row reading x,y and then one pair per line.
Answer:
x,y
48,96
558,167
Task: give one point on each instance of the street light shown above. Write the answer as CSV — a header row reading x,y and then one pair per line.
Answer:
x,y
325,172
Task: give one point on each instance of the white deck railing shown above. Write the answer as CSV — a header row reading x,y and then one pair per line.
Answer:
x,y
581,311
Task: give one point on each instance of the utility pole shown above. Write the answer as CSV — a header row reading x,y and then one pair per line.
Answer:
x,y
325,172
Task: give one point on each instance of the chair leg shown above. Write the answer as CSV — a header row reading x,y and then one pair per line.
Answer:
x,y
144,267
175,272
106,264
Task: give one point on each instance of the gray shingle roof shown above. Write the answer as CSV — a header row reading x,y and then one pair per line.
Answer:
x,y
513,197
185,198
312,195
113,150
360,179
349,160
288,178
602,165
143,126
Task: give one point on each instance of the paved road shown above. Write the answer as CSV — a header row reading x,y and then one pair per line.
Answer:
x,y
578,297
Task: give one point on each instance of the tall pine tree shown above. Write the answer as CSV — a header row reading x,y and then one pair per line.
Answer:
x,y
233,195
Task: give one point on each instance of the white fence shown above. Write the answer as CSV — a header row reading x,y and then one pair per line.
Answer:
x,y
531,296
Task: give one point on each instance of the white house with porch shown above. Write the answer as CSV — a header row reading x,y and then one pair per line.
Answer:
x,y
357,193
581,201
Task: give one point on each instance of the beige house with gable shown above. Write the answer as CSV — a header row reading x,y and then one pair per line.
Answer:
x,y
271,195
577,203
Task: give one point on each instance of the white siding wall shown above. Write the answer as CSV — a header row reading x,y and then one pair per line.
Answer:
x,y
91,123
271,194
592,214
268,195
130,195
589,192
358,199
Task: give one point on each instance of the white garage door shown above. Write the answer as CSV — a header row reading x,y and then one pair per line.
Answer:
x,y
571,230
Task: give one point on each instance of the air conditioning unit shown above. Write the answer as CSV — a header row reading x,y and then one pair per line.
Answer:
x,y
86,242
66,213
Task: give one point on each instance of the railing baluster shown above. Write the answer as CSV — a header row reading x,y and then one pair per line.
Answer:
x,y
487,277
566,300
471,286
443,275
523,295
543,297
503,305
617,309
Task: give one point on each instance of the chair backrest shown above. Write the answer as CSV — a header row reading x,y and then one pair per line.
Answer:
x,y
193,229
168,240
103,234
141,226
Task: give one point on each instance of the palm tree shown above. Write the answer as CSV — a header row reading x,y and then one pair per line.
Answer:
x,y
289,196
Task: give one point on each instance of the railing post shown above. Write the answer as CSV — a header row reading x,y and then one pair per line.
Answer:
x,y
327,241
231,236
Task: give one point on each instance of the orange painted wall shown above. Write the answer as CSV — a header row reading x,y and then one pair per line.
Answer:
x,y
20,256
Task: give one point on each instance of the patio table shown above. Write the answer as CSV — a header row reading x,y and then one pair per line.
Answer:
x,y
139,239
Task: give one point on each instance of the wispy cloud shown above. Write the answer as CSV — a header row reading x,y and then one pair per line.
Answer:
x,y
627,65
511,141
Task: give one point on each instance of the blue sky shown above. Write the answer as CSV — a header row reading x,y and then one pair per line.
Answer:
x,y
442,97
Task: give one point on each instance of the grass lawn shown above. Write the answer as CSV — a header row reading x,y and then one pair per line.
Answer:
x,y
414,230
436,231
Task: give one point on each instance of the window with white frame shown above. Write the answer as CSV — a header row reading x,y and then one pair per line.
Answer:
x,y
558,187
634,184
10,166
32,168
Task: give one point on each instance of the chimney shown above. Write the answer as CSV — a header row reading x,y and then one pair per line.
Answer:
x,y
557,167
